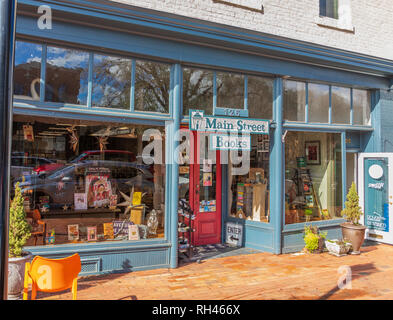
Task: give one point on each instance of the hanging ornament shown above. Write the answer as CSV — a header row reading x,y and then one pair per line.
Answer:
x,y
128,203
74,139
103,140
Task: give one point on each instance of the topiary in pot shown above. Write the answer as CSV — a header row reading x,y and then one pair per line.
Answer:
x,y
19,232
352,230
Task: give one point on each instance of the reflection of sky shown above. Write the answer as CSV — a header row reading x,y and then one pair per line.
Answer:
x,y
26,52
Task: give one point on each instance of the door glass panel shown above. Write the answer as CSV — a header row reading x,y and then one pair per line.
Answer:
x,y
207,178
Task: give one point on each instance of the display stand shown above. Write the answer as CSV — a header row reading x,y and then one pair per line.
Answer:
x,y
185,228
307,190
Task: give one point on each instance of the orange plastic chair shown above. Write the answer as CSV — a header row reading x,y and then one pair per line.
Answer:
x,y
52,275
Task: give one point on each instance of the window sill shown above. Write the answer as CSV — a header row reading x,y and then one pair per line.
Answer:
x,y
334,24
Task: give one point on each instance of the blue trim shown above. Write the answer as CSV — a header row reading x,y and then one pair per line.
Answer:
x,y
43,73
277,186
343,167
194,30
324,127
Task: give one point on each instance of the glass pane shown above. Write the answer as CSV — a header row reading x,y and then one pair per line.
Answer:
x,y
27,71
318,103
230,90
249,181
294,100
313,177
197,90
152,85
260,97
66,76
341,105
111,82
361,107
83,177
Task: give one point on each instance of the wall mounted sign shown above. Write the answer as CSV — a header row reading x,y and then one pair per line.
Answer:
x,y
234,234
200,122
227,142
231,112
376,192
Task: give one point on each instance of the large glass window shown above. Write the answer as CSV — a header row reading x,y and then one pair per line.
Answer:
x,y
230,90
111,82
313,176
260,97
248,180
318,103
152,85
90,181
27,72
66,76
294,100
341,105
197,90
361,107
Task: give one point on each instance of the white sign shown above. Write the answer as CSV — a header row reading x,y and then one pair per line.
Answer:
x,y
200,122
234,234
226,142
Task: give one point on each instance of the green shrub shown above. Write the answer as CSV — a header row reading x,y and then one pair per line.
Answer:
x,y
19,228
312,238
352,211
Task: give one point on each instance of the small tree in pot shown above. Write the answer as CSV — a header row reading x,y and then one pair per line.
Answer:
x,y
353,231
19,232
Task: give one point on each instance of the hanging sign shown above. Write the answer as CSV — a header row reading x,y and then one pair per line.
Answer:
x,y
376,215
200,122
227,142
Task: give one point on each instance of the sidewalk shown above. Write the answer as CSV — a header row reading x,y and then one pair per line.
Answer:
x,y
251,276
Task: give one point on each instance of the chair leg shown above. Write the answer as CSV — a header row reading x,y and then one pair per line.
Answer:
x,y
33,291
74,288
26,282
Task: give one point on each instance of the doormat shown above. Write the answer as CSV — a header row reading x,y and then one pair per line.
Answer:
x,y
220,250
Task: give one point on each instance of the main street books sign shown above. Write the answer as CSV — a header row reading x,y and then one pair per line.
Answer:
x,y
200,122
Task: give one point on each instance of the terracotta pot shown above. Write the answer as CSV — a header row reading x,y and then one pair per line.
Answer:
x,y
354,234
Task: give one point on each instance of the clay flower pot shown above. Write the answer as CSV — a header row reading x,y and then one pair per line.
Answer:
x,y
16,275
354,234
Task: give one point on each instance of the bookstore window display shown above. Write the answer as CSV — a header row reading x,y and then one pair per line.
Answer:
x,y
249,189
313,182
99,182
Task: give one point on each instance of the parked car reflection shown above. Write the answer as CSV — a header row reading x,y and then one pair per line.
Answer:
x,y
60,186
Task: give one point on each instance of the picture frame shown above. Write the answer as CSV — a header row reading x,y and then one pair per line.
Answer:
x,y
91,233
313,152
73,232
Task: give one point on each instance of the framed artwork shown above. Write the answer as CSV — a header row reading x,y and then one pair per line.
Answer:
x,y
73,232
313,152
91,233
80,201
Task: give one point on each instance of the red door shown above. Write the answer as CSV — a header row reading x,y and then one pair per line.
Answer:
x,y
205,191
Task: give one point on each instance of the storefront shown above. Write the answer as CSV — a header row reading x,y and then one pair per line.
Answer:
x,y
104,143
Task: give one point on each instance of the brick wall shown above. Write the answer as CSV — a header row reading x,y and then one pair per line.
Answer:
x,y
372,22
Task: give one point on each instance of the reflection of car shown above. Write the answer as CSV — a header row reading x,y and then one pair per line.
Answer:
x,y
22,166
61,185
111,155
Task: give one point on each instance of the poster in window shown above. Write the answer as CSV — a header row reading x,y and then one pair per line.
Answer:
x,y
313,152
98,187
133,232
80,201
108,230
28,133
91,233
207,165
73,232
207,179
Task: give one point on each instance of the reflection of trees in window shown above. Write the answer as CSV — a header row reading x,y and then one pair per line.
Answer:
x,y
152,84
27,72
260,97
341,105
230,90
66,76
111,82
197,90
294,100
318,103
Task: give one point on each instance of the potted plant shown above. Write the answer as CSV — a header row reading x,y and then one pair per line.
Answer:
x,y
338,247
314,241
352,230
19,232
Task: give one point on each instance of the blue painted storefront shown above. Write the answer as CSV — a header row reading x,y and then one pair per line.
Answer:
x,y
115,28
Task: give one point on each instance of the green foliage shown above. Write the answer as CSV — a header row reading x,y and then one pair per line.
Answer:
x,y
19,230
312,238
352,211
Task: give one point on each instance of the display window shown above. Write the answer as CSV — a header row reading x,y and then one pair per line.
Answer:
x,y
90,181
248,181
313,176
